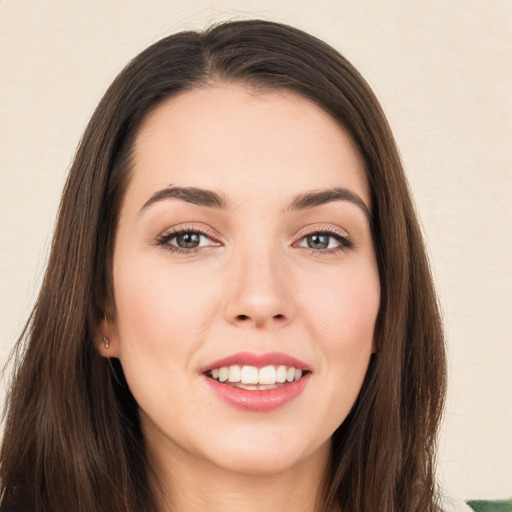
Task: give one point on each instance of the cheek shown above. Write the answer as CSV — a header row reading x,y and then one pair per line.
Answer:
x,y
343,308
348,334
161,322
339,310
160,312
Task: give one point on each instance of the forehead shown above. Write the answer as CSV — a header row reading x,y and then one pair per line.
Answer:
x,y
239,140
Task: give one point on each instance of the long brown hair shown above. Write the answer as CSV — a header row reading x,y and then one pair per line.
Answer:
x,y
72,435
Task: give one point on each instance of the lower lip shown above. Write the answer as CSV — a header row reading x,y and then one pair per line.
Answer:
x,y
258,400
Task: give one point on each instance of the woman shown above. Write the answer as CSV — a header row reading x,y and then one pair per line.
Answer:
x,y
238,311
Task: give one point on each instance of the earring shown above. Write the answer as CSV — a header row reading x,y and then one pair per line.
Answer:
x,y
106,342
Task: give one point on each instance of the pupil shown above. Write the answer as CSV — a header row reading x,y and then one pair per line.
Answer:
x,y
188,240
318,241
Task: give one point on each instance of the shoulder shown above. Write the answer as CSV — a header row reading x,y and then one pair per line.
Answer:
x,y
449,504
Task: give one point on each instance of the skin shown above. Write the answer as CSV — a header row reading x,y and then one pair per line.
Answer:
x,y
252,285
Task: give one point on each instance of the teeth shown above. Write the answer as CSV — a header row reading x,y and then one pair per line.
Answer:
x,y
267,375
251,375
281,374
223,374
234,374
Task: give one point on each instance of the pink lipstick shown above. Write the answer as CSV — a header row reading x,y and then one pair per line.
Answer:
x,y
257,382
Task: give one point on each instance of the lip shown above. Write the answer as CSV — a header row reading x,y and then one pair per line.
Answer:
x,y
258,400
259,360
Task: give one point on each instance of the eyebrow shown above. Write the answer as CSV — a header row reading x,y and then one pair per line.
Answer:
x,y
193,195
320,197
210,199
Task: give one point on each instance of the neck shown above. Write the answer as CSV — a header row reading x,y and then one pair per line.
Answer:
x,y
185,484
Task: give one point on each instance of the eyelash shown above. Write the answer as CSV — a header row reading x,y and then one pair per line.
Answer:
x,y
163,240
345,244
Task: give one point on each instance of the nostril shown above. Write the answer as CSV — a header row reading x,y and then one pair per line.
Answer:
x,y
246,318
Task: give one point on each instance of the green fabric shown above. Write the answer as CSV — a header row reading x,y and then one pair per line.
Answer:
x,y
491,506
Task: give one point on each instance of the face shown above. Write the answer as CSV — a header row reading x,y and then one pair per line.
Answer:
x,y
243,258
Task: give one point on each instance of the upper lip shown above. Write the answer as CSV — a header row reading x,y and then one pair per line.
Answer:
x,y
259,360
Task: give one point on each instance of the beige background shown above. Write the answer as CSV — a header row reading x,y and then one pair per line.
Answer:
x,y
443,71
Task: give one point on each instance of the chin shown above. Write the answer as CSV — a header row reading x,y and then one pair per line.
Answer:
x,y
268,456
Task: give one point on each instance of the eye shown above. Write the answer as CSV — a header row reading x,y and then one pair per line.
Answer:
x,y
185,240
189,240
327,242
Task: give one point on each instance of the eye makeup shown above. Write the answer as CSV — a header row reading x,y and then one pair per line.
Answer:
x,y
192,239
186,240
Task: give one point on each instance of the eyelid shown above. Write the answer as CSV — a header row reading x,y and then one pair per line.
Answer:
x,y
322,228
343,238
196,228
170,233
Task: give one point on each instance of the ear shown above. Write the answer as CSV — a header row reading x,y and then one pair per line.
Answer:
x,y
107,338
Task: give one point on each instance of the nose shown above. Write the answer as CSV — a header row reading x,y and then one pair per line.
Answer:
x,y
260,294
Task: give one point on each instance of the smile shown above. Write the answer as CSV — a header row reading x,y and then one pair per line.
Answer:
x,y
257,383
254,378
